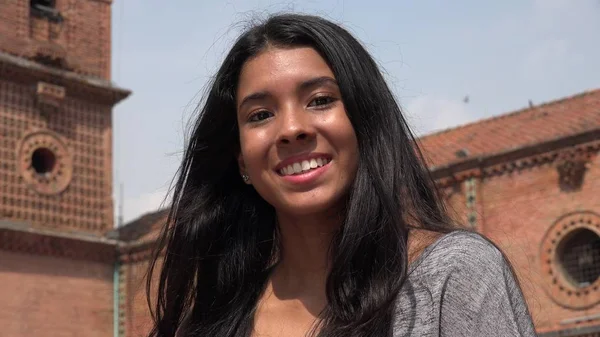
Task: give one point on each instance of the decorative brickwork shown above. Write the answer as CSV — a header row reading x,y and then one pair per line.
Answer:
x,y
79,137
562,285
21,238
122,300
44,162
585,151
471,196
50,95
76,118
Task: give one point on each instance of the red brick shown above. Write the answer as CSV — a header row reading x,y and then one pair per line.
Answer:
x,y
84,35
48,296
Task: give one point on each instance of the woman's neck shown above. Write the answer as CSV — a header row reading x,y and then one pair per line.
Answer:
x,y
305,256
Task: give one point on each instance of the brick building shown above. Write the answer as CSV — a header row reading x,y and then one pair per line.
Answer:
x,y
56,99
529,180
526,179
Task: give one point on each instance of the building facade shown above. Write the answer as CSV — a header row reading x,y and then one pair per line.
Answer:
x,y
56,99
529,180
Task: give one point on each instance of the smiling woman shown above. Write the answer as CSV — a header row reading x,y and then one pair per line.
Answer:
x,y
290,117
303,208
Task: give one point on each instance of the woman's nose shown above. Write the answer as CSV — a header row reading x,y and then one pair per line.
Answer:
x,y
296,126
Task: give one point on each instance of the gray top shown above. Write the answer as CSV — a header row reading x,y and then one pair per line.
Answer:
x,y
461,285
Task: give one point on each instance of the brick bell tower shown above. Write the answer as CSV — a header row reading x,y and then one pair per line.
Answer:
x,y
56,102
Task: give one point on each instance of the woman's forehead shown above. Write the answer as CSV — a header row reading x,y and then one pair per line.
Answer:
x,y
277,67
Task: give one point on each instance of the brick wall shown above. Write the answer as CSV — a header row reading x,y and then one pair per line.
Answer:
x,y
50,296
85,130
519,208
137,321
82,39
456,203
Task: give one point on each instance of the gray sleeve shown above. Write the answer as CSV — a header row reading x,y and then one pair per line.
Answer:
x,y
480,296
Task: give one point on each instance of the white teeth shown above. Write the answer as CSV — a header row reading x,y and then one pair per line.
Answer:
x,y
305,165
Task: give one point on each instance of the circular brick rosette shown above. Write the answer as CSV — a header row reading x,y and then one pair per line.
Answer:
x,y
45,163
570,260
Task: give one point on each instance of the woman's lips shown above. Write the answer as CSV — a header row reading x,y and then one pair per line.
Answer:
x,y
307,176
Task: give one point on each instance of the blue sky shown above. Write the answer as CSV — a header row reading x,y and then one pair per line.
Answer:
x,y
434,53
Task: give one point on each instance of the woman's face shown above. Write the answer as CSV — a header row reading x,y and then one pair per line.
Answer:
x,y
298,146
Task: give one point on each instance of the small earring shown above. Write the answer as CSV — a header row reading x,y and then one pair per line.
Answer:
x,y
245,178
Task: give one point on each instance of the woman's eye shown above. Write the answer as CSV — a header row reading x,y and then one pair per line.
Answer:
x,y
320,101
260,116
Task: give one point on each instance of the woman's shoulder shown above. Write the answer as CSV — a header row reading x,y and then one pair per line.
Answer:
x,y
460,250
470,282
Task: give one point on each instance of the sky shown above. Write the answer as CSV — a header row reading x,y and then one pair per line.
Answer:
x,y
434,53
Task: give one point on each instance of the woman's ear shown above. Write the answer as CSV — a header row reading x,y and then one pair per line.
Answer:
x,y
242,168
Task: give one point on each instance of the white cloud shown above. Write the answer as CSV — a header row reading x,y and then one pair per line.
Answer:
x,y
426,114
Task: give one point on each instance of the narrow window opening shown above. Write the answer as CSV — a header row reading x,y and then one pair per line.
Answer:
x,y
43,3
45,9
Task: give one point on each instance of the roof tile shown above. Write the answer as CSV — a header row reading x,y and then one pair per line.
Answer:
x,y
560,118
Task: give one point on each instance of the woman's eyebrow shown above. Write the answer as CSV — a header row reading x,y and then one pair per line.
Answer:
x,y
257,96
317,81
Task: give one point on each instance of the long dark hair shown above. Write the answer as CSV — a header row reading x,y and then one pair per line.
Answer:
x,y
221,239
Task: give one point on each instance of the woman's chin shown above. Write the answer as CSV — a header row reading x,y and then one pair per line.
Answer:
x,y
309,207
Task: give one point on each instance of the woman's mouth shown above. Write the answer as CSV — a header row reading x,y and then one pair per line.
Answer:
x,y
303,166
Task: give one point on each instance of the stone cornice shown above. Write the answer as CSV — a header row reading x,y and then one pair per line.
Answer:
x,y
25,71
136,251
583,145
23,238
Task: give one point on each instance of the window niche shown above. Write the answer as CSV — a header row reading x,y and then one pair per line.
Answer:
x,y
45,9
570,260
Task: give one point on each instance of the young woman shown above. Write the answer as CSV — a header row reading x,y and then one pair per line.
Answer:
x,y
303,208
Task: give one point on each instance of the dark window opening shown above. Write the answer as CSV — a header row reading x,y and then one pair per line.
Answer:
x,y
45,9
579,257
49,61
43,161
46,3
